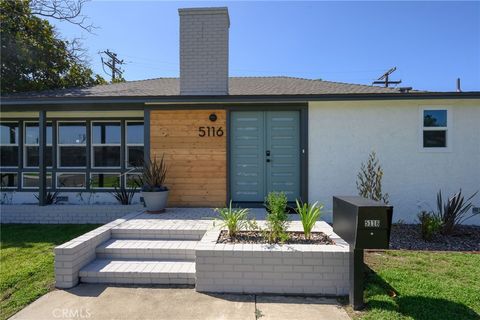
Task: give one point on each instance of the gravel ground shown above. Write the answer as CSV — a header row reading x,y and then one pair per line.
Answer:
x,y
257,237
407,236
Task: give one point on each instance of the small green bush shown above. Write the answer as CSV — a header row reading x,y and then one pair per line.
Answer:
x,y
277,217
429,224
309,214
233,219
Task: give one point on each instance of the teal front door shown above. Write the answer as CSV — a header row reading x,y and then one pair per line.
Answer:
x,y
264,154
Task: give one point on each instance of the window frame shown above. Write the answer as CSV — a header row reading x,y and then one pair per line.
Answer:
x,y
119,174
17,144
127,164
18,181
59,187
93,145
448,129
51,187
25,145
59,145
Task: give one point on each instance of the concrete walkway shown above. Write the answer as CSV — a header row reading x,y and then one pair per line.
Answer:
x,y
92,301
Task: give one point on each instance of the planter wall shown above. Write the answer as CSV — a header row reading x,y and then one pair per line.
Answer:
x,y
64,214
279,269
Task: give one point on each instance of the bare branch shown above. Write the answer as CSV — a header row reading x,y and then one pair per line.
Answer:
x,y
63,10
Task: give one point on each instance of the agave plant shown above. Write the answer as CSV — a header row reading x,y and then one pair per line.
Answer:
x,y
153,175
124,195
309,215
50,197
454,211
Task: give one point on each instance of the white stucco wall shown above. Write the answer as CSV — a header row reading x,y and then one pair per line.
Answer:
x,y
342,134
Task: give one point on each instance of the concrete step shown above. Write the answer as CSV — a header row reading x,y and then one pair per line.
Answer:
x,y
138,272
147,249
158,234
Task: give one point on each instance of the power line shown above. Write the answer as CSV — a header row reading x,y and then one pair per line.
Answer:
x,y
112,64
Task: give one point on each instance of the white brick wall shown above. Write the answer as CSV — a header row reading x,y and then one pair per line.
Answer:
x,y
68,214
280,269
204,51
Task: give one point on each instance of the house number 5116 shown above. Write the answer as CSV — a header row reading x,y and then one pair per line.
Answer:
x,y
210,131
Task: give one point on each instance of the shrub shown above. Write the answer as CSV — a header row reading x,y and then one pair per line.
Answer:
x,y
277,217
309,215
124,195
153,175
429,224
233,219
50,197
369,180
454,211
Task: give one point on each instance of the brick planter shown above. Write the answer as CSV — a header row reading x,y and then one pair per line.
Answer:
x,y
280,269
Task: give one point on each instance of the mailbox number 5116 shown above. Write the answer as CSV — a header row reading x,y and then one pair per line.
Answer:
x,y
210,131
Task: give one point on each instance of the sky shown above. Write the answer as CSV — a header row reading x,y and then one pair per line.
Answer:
x,y
431,43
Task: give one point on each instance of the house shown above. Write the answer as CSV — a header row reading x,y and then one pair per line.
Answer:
x,y
238,138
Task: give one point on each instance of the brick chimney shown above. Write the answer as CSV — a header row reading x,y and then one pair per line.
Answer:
x,y
204,51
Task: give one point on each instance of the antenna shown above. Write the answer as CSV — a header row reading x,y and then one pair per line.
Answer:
x,y
384,78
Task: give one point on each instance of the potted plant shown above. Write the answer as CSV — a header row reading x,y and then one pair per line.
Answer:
x,y
154,192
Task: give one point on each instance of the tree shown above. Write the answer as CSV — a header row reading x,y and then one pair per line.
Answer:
x,y
369,180
34,58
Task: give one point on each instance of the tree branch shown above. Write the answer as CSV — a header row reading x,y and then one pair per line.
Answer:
x,y
63,10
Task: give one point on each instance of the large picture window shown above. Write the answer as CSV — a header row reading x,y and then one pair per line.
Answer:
x,y
106,144
435,123
31,145
72,144
134,144
9,144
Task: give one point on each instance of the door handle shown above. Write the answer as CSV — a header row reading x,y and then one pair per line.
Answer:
x,y
267,153
268,160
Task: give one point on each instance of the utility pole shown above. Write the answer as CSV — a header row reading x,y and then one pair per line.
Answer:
x,y
384,78
112,64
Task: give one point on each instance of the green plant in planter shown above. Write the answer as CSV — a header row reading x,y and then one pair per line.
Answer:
x,y
234,219
153,175
309,214
277,217
429,225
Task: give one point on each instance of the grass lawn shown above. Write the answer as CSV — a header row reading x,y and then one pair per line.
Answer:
x,y
422,285
27,261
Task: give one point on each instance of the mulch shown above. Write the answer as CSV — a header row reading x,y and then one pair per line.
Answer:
x,y
408,236
257,237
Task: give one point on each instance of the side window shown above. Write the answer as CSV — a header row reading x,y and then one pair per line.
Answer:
x,y
9,144
435,129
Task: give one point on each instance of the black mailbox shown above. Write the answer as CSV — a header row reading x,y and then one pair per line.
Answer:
x,y
363,224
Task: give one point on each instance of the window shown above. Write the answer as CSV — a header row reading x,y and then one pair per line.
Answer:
x,y
31,179
134,144
435,124
132,180
72,141
104,180
31,145
9,144
106,141
8,180
70,180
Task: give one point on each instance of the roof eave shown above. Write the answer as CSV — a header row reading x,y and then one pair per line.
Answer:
x,y
11,101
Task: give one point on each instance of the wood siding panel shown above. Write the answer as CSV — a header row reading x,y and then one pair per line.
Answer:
x,y
197,166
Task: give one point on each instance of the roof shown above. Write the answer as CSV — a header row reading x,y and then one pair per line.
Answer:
x,y
238,86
